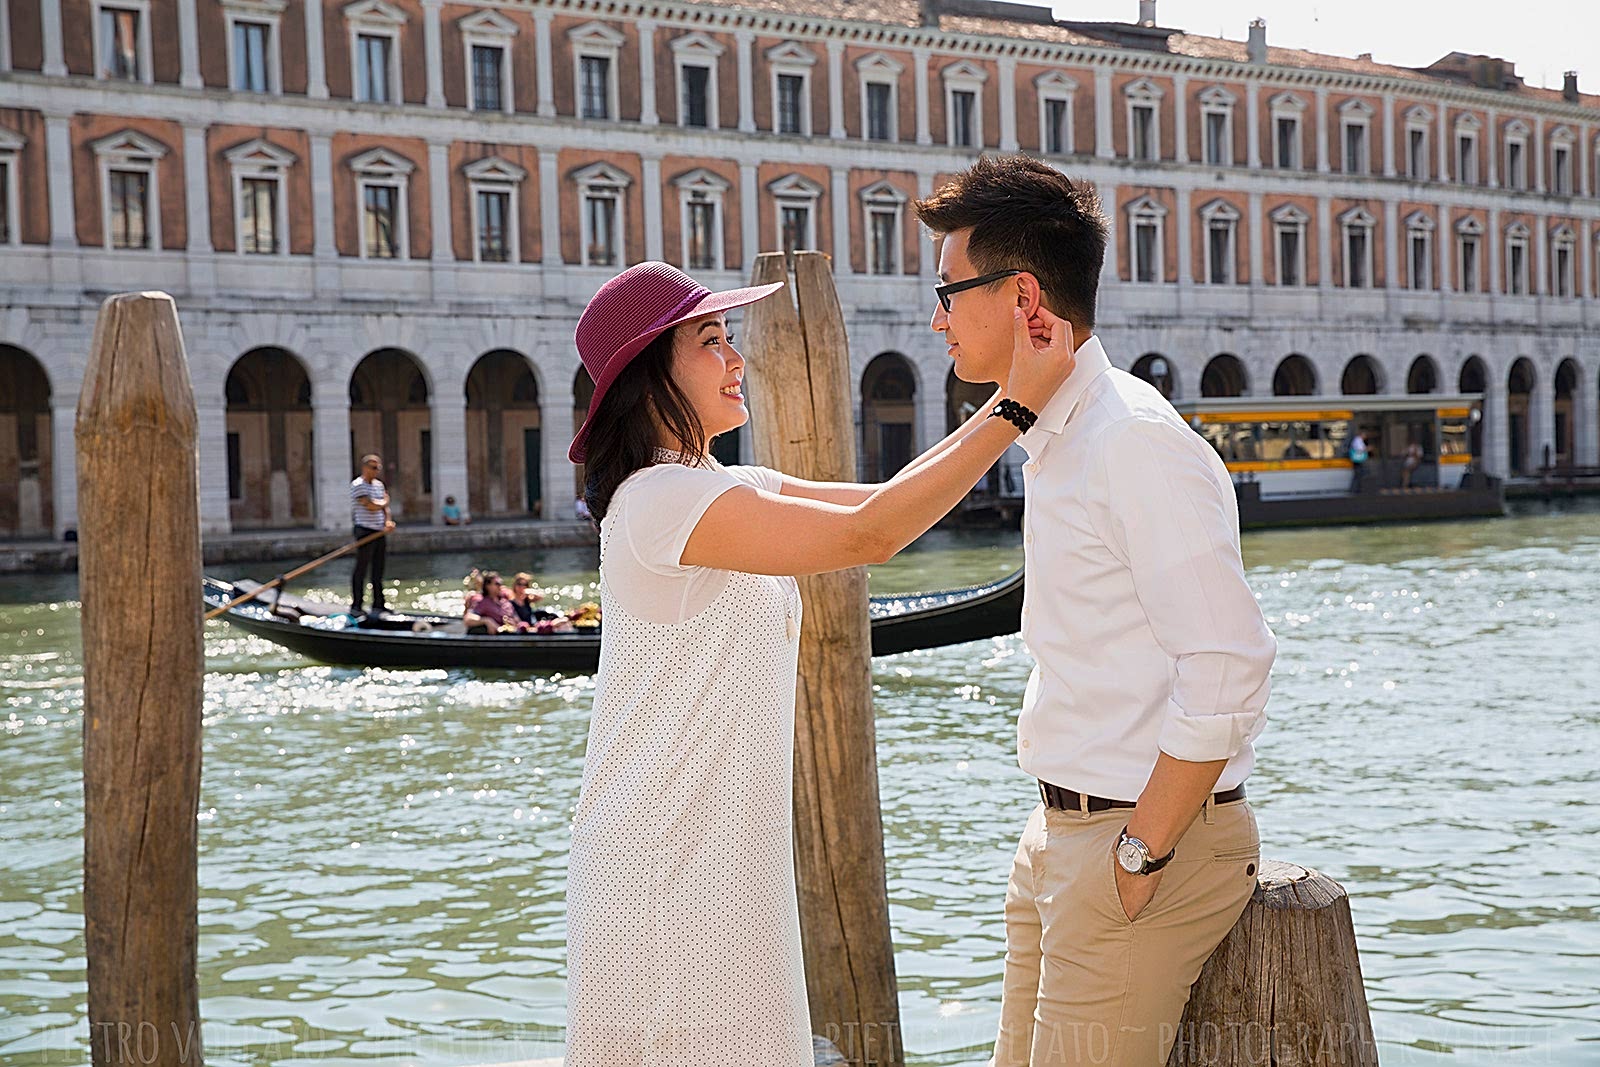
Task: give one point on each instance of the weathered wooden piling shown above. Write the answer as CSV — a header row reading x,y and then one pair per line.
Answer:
x,y
143,664
1284,987
800,393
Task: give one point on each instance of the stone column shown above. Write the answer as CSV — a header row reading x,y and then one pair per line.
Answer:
x,y
1180,119
1542,418
1324,244
1322,129
211,407
1185,226
66,270
841,208
1585,156
929,263
1007,88
443,254
1496,424
64,455
335,466
555,421
1491,142
1391,245
1541,255
743,39
919,83
835,88
1252,112
549,211
650,192
1108,267
447,419
1104,144
324,252
1388,135
1493,237
433,52
316,62
188,46
55,63
197,199
749,217
1538,155
1586,426
1443,138
647,73
544,76
1257,224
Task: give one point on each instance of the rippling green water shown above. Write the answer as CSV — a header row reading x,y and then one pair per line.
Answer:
x,y
382,852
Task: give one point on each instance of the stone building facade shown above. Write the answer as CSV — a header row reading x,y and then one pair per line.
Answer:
x,y
380,219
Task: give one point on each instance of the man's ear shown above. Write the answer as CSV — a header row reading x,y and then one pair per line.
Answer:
x,y
1029,297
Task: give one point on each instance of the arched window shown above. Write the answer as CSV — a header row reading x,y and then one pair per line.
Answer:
x,y
1224,376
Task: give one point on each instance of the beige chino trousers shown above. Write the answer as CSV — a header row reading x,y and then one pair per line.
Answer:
x,y
1083,984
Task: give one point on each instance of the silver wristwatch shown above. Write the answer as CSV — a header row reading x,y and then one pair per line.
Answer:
x,y
1133,855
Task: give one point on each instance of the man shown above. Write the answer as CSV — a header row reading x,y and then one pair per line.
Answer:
x,y
369,513
1358,461
1151,653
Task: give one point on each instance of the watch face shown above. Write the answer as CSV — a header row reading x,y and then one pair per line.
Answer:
x,y
1130,856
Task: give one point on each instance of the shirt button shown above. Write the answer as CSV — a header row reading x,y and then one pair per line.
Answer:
x,y
1031,468
1024,614
1026,743
1027,538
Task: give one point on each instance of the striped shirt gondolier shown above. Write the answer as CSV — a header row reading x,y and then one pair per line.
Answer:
x,y
361,516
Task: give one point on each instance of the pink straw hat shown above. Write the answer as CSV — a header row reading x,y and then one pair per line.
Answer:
x,y
633,309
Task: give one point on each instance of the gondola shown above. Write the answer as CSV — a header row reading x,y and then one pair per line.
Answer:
x,y
328,634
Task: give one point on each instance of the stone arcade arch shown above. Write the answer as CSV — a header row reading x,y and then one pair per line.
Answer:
x,y
1224,376
1295,376
389,415
1474,380
1423,377
1565,412
26,508
1519,391
1362,377
504,438
270,455
888,416
1158,370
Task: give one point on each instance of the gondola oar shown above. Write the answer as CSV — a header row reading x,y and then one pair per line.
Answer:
x,y
297,572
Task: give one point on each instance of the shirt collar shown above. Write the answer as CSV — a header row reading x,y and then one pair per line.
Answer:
x,y
1092,362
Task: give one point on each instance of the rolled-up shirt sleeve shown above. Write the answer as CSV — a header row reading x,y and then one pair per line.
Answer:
x,y
1172,523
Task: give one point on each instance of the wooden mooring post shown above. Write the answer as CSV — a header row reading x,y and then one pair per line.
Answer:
x,y
802,424
1284,987
143,668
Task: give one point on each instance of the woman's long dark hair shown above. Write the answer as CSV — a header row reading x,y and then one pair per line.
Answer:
x,y
623,438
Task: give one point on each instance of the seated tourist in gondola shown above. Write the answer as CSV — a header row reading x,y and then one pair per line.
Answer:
x,y
491,610
523,599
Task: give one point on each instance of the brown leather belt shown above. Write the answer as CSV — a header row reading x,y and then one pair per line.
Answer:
x,y
1056,797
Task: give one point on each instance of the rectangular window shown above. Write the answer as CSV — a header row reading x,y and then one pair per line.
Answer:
x,y
1218,151
494,225
1514,165
1516,268
883,244
250,43
119,44
1145,236
1467,160
596,76
1057,135
130,202
702,235
380,211
235,469
1469,264
1561,171
697,96
796,226
488,77
1355,149
1288,143
258,216
1417,154
5,202
1563,271
1420,262
1144,123
602,212
1219,251
791,89
1355,265
963,105
1289,255
879,119
372,67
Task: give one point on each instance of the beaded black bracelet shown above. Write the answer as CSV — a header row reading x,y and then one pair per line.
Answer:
x,y
1015,413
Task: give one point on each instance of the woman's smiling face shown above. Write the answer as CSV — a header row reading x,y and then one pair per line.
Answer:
x,y
710,371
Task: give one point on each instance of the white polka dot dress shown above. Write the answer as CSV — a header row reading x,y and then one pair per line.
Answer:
x,y
683,931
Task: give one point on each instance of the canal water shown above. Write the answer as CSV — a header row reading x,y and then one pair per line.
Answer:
x,y
382,851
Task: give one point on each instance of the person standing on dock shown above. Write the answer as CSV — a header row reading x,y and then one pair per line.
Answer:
x,y
1151,654
683,926
369,512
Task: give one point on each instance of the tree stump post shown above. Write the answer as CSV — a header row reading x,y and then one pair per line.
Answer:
x,y
802,424
1284,987
143,669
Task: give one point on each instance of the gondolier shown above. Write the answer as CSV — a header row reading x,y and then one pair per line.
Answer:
x,y
369,513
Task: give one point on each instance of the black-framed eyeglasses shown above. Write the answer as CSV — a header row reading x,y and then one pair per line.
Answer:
x,y
946,291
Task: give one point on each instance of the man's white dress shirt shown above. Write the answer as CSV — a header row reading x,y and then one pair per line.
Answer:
x,y
1145,634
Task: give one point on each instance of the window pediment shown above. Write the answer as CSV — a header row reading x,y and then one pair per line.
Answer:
x,y
602,174
1562,135
883,192
790,54
595,35
380,162
129,145
11,141
1287,102
494,169
1055,80
1518,128
1356,110
1470,227
1421,220
375,12
1289,214
1563,234
259,152
696,46
795,186
1468,122
1358,216
701,180
878,63
1419,114
964,71
1517,230
1217,96
1148,207
1219,209
488,24
1143,89
259,8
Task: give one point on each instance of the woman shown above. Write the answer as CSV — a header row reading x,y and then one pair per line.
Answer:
x,y
523,598
490,609
683,942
